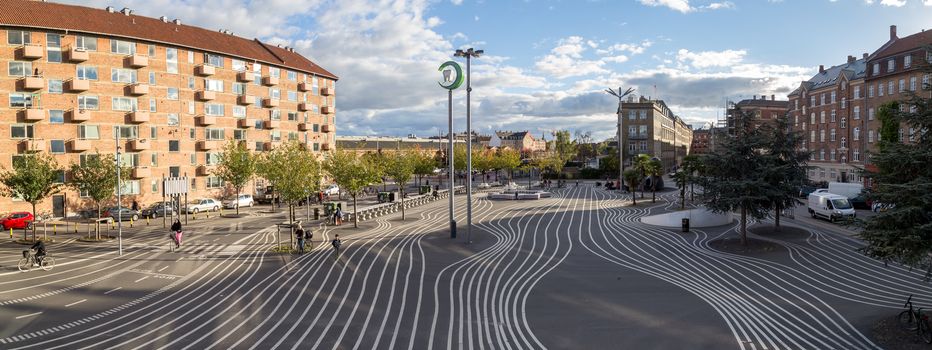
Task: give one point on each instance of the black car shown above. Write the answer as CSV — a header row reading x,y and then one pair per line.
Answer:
x,y
158,210
804,191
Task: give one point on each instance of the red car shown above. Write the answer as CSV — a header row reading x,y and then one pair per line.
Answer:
x,y
21,219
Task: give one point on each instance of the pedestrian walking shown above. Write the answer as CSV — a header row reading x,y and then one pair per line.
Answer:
x,y
320,196
336,246
135,205
309,238
299,236
175,234
338,217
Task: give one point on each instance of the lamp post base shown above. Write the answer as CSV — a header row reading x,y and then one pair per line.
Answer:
x,y
452,228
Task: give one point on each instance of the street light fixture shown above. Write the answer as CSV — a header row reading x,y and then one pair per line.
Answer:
x,y
621,161
469,54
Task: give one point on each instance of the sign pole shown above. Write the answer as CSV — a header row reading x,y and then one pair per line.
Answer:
x,y
119,195
452,79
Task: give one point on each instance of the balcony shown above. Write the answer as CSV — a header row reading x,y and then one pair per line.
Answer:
x,y
304,127
137,61
269,81
268,146
272,124
303,107
32,145
205,170
79,115
138,89
30,51
246,123
78,85
140,145
77,55
325,91
245,99
325,110
141,172
244,77
205,120
325,128
139,117
79,145
304,87
325,147
270,102
33,114
31,83
206,145
205,70
206,95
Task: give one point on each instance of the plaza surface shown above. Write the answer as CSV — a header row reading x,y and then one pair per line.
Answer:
x,y
576,271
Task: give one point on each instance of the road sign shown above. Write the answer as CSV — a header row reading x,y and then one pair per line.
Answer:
x,y
175,185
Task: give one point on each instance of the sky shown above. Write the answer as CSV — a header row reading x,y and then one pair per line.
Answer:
x,y
548,62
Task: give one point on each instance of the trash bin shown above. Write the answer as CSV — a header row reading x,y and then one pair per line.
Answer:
x,y
316,213
423,189
685,224
383,197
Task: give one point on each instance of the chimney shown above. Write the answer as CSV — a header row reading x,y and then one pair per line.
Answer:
x,y
126,11
864,55
754,97
851,59
893,32
177,21
164,19
111,9
773,97
821,68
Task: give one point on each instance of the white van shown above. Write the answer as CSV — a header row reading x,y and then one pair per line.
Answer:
x,y
830,206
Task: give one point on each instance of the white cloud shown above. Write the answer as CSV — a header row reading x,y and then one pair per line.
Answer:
x,y
676,5
927,2
566,60
705,59
457,2
894,3
720,5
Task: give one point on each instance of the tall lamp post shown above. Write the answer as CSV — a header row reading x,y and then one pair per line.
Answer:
x,y
119,195
621,161
452,79
469,54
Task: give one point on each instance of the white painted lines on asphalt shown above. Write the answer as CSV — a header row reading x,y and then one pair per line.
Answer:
x,y
28,315
139,280
163,268
76,303
113,290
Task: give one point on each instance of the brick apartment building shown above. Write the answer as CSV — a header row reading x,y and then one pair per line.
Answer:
x,y
77,76
702,141
522,141
836,108
764,110
650,127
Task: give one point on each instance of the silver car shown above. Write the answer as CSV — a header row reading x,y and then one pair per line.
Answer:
x,y
203,204
244,200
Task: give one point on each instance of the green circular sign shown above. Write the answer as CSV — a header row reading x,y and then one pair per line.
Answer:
x,y
452,75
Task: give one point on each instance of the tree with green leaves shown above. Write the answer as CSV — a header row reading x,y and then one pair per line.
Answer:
x,y
32,178
424,164
96,177
400,168
237,165
692,166
642,164
294,171
353,173
902,180
786,171
563,149
632,178
378,161
734,174
508,159
654,170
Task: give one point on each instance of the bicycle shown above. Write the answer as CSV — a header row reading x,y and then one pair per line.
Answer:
x,y
913,319
29,259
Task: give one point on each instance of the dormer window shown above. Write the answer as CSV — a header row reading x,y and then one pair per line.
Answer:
x,y
907,61
876,68
891,65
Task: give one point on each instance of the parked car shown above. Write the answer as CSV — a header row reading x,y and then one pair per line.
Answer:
x,y
20,219
830,206
332,190
158,210
861,201
203,204
804,191
121,213
879,207
244,200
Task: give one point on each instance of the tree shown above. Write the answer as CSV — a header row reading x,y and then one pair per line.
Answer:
x,y
654,169
903,180
294,171
563,150
692,166
353,173
632,178
642,163
96,177
378,161
236,167
508,159
424,164
400,168
787,168
32,178
734,176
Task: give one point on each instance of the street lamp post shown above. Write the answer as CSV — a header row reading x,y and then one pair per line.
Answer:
x,y
452,79
119,195
469,54
621,161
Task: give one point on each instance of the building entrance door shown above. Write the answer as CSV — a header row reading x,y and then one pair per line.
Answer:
x,y
58,206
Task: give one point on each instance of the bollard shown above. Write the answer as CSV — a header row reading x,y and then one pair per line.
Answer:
x,y
75,227
194,216
112,224
54,229
11,233
131,222
221,211
207,213
147,221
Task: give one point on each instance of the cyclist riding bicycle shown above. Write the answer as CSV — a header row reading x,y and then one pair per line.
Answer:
x,y
39,247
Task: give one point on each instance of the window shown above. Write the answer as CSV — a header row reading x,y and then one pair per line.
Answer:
x,y
213,109
643,114
890,87
260,146
214,182
275,135
876,69
213,85
151,78
833,97
822,135
902,85
172,119
275,94
833,156
857,112
812,101
239,88
171,59
275,72
56,116
87,72
275,114
856,134
293,76
155,186
870,114
926,81
238,65
172,93
191,83
17,37
856,155
644,146
292,136
239,134
880,89
151,50
19,69
239,111
844,123
844,142
190,107
317,147
870,136
174,146
130,187
257,74
88,102
191,57
912,83
822,117
88,132
870,91
857,91
57,146
126,131
899,136
812,118
907,61
258,125
632,115
174,171
292,116
191,133
642,130
86,43
293,96
55,86
822,99
213,60
821,154
120,75
122,47
832,135
891,65
53,46
126,104
213,133
833,116
211,158
21,131
152,105
812,136
843,103
316,127
193,159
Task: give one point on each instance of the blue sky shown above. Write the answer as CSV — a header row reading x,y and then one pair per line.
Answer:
x,y
548,61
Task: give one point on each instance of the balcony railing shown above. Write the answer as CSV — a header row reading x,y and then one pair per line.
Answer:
x,y
137,61
304,127
32,145
205,120
245,99
244,77
138,89
206,95
269,81
79,145
326,91
30,51
78,85
325,128
31,82
141,172
76,54
79,115
304,87
272,124
207,145
325,110
140,145
139,117
303,107
205,70
32,114
205,170
246,123
270,102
